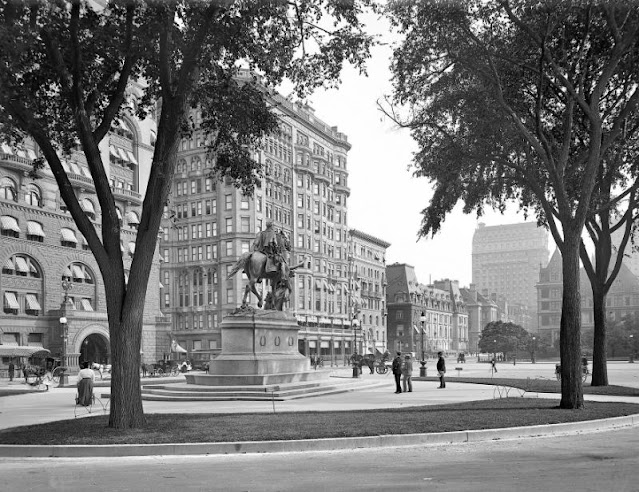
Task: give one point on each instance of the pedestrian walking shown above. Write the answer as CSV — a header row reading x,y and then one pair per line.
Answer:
x,y
493,365
441,370
407,373
397,372
12,370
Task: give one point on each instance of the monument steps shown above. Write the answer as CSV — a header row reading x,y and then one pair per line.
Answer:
x,y
281,392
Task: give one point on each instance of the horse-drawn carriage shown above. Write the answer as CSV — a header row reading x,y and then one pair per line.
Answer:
x,y
376,363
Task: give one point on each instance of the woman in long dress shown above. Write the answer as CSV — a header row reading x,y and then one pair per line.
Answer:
x,y
85,385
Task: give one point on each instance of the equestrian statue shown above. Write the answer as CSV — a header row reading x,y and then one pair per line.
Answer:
x,y
268,260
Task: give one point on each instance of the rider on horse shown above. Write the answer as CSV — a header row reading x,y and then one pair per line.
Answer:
x,y
267,242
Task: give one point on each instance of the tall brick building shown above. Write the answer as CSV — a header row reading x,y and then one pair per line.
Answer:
x,y
41,249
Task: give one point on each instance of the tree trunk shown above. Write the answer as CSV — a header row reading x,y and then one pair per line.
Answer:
x,y
599,357
126,396
570,331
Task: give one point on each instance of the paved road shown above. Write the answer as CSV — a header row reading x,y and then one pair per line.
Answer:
x,y
588,462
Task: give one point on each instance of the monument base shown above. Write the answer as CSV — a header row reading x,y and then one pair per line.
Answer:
x,y
259,348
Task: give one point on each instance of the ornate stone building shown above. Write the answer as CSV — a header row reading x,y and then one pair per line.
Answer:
x,y
445,326
622,299
367,288
209,224
41,249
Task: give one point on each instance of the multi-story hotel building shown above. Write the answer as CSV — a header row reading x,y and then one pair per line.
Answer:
x,y
41,249
209,224
367,289
506,261
445,317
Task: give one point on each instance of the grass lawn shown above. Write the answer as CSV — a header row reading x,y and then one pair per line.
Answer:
x,y
541,385
183,428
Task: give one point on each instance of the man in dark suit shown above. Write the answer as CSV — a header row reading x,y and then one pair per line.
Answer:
x,y
397,372
441,370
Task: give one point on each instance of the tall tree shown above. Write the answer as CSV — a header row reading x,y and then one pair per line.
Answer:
x,y
611,214
519,101
65,69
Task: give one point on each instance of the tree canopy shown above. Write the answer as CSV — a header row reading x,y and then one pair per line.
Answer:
x,y
504,337
519,101
66,69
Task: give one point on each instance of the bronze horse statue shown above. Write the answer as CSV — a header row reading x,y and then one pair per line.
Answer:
x,y
253,264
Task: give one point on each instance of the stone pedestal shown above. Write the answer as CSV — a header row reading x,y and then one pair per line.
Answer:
x,y
258,348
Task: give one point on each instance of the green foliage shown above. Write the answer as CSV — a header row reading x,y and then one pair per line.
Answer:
x,y
66,69
508,337
499,95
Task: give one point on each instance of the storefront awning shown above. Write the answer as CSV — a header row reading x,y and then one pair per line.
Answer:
x,y
21,351
21,264
87,205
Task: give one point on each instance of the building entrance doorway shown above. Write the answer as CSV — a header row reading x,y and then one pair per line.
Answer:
x,y
95,349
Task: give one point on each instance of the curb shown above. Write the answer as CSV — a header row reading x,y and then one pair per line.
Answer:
x,y
306,445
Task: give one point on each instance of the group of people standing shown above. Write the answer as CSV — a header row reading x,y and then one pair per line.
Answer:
x,y
403,372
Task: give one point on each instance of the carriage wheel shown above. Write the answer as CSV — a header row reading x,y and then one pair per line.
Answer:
x,y
380,369
584,375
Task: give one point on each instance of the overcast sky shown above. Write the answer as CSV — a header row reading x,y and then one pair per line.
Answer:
x,y
386,200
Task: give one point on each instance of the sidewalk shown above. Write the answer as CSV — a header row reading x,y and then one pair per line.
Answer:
x,y
58,404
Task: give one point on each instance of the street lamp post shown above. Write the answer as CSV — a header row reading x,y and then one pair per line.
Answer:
x,y
422,369
354,324
631,359
64,335
533,349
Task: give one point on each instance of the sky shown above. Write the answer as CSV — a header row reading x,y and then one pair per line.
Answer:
x,y
386,201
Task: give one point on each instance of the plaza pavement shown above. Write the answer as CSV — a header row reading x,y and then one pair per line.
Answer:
x,y
58,404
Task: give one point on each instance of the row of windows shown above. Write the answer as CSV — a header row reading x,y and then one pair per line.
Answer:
x,y
9,191
24,266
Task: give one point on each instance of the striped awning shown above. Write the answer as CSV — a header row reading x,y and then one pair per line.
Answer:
x,y
122,154
8,264
86,172
75,169
11,300
77,272
65,165
86,305
21,264
32,302
87,205
5,148
35,229
131,157
9,223
68,235
31,154
325,284
131,248
132,218
318,284
114,152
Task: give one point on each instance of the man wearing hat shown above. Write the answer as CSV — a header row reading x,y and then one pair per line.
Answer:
x,y
397,372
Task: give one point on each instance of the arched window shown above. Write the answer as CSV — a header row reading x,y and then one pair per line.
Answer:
x,y
22,266
196,164
133,219
8,189
181,166
33,196
79,273
152,138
